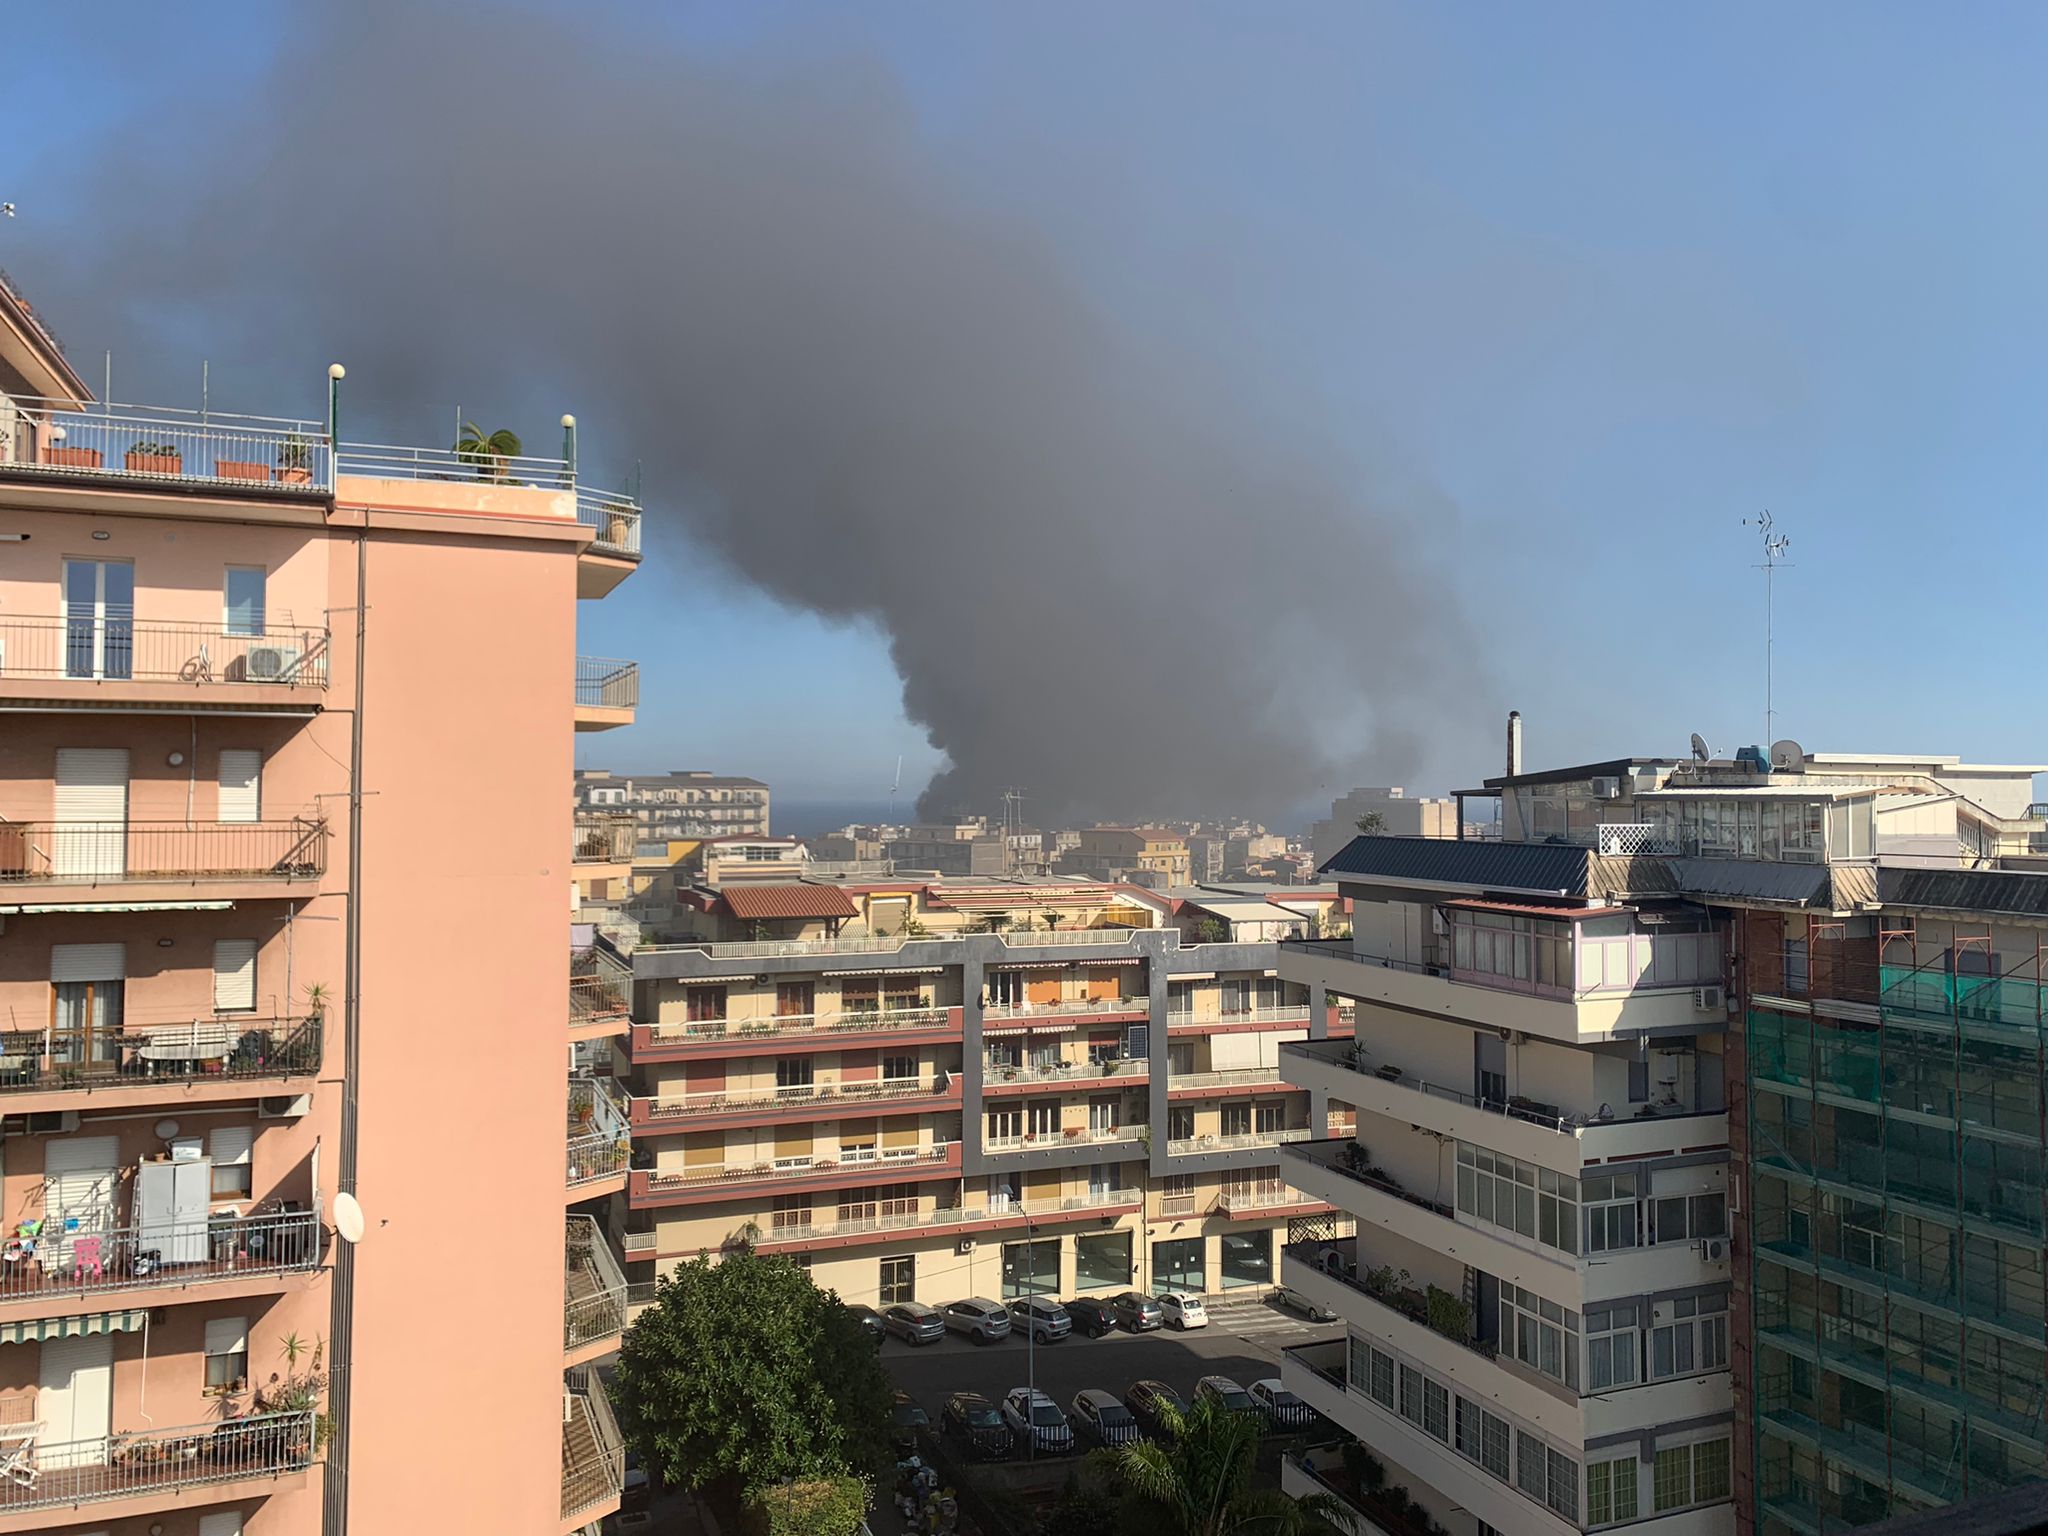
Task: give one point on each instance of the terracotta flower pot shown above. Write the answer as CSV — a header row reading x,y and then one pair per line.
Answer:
x,y
155,463
75,458
295,474
240,469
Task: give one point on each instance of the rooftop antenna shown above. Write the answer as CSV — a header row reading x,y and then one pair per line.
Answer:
x,y
1775,545
1701,752
894,785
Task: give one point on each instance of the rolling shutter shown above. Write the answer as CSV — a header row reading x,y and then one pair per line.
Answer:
x,y
899,1131
241,775
231,1144
234,975
703,1149
91,835
88,962
792,1141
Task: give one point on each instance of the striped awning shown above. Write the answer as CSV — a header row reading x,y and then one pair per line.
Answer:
x,y
35,1330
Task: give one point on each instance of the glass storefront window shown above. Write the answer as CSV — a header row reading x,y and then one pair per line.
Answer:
x,y
1031,1269
1177,1266
1102,1261
1247,1259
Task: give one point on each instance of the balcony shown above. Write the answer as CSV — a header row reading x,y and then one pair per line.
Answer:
x,y
593,1451
1196,1085
863,944
807,1101
998,1080
600,995
1562,1138
850,1229
614,551
604,840
593,1296
49,661
58,1274
43,861
185,1060
1237,1150
700,1182
1057,1149
607,693
597,1139
1008,1018
792,1032
1561,1014
1268,1198
1289,1016
143,1473
159,448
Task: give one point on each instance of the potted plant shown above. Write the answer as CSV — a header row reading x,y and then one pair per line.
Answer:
x,y
294,456
148,458
618,524
488,451
73,458
241,469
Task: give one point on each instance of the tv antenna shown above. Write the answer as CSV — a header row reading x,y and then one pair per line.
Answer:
x,y
1775,545
894,785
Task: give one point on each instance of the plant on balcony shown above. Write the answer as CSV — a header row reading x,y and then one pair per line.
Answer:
x,y
619,1151
74,458
241,469
294,460
298,1391
148,458
1448,1314
1212,930
488,451
913,929
1201,1483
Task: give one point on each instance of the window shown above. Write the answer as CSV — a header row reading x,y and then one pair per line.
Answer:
x,y
1102,1118
1518,1197
1411,1394
791,1211
1247,1258
1696,1338
1541,1334
1372,1372
1691,1474
1237,1120
1436,1409
1031,1269
1006,989
1796,978
898,1280
1531,1465
795,999
1611,1348
244,600
1005,1125
241,786
703,1004
1180,1123
1609,1200
1685,1218
234,975
1102,1261
793,1073
230,1148
1042,1118
1611,1491
1177,1266
899,1069
1180,1000
1561,1491
1268,1115
227,1354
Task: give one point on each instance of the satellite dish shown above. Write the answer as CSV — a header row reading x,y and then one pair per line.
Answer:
x,y
1787,756
348,1218
1700,751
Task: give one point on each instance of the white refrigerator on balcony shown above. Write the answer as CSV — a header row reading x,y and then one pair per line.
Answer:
x,y
172,1206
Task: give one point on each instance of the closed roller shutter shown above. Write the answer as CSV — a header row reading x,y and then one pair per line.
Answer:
x,y
78,1185
91,835
703,1148
241,774
1042,989
792,1141
234,975
899,1131
88,962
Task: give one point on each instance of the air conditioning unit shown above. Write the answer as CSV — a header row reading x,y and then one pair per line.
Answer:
x,y
51,1122
1710,999
1713,1249
965,1245
266,664
284,1107
1605,787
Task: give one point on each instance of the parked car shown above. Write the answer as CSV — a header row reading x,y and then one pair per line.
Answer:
x,y
981,1320
1281,1407
1147,1398
914,1323
1101,1420
908,1417
1226,1392
1303,1306
1137,1311
973,1420
1045,1321
1091,1316
1032,1416
1182,1311
870,1320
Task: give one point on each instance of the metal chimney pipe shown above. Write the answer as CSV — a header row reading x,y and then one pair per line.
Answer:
x,y
1514,742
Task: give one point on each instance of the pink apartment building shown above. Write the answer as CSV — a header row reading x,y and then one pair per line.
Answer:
x,y
250,963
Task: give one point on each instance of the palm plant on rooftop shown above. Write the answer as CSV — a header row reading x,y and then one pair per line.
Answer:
x,y
488,451
1199,1483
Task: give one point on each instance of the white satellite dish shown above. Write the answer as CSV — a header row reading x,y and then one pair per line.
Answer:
x,y
1700,750
349,1224
1787,756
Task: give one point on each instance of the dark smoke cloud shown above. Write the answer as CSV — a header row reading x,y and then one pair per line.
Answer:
x,y
872,396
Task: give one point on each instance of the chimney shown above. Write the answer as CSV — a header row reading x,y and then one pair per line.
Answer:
x,y
1514,742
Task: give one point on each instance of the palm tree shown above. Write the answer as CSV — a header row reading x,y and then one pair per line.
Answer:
x,y
487,451
1200,1483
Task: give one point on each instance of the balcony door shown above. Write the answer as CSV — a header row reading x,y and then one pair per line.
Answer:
x,y
99,619
87,983
75,1401
90,838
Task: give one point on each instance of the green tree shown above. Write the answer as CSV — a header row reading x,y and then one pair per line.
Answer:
x,y
743,1376
1200,1483
1372,823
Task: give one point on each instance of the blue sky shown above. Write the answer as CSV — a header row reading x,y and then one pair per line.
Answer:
x,y
1612,277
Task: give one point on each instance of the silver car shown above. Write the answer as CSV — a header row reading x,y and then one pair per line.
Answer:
x,y
981,1320
1045,1321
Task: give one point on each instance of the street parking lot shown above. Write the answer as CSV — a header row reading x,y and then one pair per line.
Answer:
x,y
1241,1343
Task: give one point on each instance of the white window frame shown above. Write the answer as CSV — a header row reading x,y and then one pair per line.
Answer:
x,y
225,1354
228,624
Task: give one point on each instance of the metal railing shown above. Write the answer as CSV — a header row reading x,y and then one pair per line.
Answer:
x,y
597,1145
846,1021
868,944
1286,1013
116,1466
163,445
102,853
820,1096
604,839
392,461
1082,1074
1064,1007
594,1287
1338,1154
1238,1142
1631,839
148,1255
615,516
637,1242
1264,1196
593,1450
600,987
1236,1077
1339,1259
54,1059
602,683
855,1164
1073,1135
118,648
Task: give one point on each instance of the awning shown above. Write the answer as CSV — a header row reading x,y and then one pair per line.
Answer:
x,y
1088,964
117,906
756,903
35,1330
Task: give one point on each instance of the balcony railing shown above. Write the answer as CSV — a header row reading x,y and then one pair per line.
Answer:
x,y
593,1450
1236,1143
60,1473
1284,1013
867,944
149,1255
163,446
1262,1197
1082,1074
602,683
598,1146
122,649
105,853
1071,1136
236,1046
594,1287
1236,1077
851,1021
821,1097
600,987
1426,1306
1063,1007
390,461
846,1164
616,518
605,840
